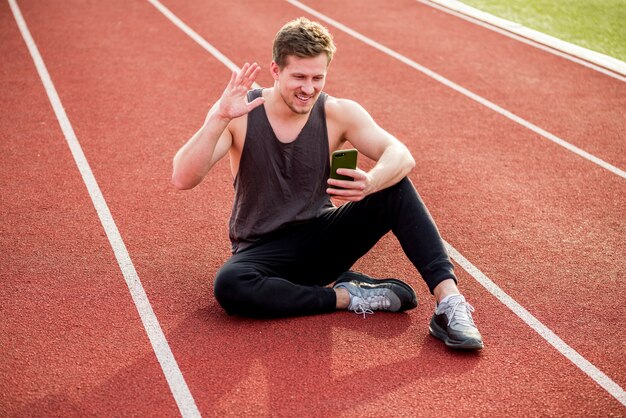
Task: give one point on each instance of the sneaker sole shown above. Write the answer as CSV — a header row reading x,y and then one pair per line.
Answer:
x,y
359,277
469,344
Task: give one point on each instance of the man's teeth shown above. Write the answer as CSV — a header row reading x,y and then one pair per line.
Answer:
x,y
303,98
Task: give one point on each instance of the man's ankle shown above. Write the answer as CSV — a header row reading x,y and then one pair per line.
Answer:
x,y
444,289
343,298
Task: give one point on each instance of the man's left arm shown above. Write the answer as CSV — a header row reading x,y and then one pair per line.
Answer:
x,y
393,159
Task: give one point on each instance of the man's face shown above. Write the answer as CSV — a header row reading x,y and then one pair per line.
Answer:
x,y
301,81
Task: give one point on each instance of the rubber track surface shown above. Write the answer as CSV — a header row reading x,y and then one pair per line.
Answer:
x,y
546,225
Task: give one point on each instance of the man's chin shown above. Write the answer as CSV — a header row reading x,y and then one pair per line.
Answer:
x,y
302,109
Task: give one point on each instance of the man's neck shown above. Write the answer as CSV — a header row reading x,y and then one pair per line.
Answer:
x,y
286,123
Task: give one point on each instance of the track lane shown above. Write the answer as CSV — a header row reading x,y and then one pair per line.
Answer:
x,y
160,222
64,305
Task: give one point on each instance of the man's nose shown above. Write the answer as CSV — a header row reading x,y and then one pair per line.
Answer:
x,y
307,87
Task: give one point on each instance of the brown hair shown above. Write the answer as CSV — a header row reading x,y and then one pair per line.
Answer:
x,y
304,39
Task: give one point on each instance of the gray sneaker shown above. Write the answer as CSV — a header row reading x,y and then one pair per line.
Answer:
x,y
452,323
368,294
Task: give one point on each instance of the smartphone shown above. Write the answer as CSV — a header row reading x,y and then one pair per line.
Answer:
x,y
343,158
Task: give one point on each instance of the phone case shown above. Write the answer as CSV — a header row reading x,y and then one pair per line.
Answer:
x,y
343,158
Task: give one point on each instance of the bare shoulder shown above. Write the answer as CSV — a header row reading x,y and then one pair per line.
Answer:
x,y
343,110
348,121
347,115
344,117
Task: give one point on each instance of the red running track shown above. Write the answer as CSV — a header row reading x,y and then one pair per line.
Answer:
x,y
546,225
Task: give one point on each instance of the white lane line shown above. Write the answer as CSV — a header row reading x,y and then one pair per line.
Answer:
x,y
583,364
196,37
173,375
583,56
461,90
546,333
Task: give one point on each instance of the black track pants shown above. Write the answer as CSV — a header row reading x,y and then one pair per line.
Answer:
x,y
284,274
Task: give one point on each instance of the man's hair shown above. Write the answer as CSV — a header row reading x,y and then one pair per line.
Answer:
x,y
304,39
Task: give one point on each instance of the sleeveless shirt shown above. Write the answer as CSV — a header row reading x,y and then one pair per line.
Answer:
x,y
278,183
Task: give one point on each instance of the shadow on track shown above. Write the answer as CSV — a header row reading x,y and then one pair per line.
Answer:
x,y
304,366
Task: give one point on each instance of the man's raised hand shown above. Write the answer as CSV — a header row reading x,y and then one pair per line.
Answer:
x,y
233,102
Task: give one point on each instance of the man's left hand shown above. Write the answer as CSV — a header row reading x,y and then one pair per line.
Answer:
x,y
351,190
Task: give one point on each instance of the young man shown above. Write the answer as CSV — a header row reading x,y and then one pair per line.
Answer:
x,y
288,240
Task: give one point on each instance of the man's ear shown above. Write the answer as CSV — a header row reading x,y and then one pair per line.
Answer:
x,y
275,70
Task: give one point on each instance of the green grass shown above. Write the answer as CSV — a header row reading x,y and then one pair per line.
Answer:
x,y
599,25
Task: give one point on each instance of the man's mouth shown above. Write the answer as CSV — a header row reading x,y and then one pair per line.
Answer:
x,y
303,98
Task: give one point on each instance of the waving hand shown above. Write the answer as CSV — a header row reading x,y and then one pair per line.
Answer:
x,y
233,102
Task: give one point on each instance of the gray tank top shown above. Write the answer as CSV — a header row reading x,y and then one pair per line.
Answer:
x,y
279,184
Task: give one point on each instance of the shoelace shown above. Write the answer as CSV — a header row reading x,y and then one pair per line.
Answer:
x,y
364,305
364,309
464,316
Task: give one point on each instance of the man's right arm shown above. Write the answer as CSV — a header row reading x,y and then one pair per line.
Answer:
x,y
213,140
207,146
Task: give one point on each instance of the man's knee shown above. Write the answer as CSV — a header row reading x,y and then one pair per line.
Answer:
x,y
228,287
399,190
404,185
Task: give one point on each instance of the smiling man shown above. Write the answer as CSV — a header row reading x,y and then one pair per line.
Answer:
x,y
289,241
